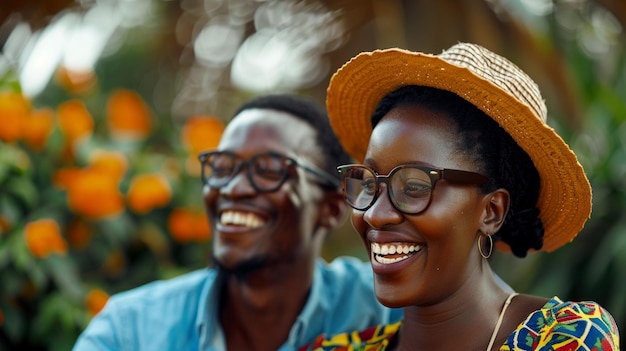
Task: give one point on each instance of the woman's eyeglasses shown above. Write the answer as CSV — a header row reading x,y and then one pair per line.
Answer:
x,y
409,186
265,171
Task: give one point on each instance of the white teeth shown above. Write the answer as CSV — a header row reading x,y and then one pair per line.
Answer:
x,y
381,250
245,219
390,249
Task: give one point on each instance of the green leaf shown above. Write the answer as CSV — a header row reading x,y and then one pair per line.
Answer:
x,y
9,210
9,80
25,262
5,170
16,329
13,157
23,190
64,273
12,283
58,313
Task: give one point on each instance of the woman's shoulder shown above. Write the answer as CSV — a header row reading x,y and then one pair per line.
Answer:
x,y
566,325
376,338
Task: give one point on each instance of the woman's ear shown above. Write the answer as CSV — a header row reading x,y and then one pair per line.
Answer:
x,y
333,210
496,206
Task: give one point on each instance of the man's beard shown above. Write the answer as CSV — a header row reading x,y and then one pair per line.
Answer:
x,y
242,270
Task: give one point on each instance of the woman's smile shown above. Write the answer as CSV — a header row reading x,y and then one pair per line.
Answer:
x,y
387,253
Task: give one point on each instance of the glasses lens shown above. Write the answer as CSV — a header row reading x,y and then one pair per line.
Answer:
x,y
218,169
269,171
359,184
410,189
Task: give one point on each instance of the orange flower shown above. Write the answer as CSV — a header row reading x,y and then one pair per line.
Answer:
x,y
14,108
75,120
64,177
95,301
43,237
180,225
187,225
38,127
198,134
128,116
5,225
79,234
148,191
76,81
203,228
94,194
202,133
111,162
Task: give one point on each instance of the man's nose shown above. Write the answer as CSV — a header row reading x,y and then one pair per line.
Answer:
x,y
239,184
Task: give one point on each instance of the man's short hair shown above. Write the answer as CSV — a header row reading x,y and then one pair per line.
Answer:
x,y
311,113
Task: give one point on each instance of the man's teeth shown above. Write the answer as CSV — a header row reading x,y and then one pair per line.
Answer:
x,y
245,219
400,252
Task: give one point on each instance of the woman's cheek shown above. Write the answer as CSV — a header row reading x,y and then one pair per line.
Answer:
x,y
359,224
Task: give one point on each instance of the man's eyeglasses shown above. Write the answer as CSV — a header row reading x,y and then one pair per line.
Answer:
x,y
409,186
265,171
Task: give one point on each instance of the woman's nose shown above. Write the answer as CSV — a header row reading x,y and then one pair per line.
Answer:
x,y
382,211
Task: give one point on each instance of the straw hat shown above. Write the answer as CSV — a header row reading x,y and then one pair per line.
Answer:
x,y
493,84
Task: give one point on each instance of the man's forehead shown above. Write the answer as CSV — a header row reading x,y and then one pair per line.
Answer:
x,y
279,126
267,117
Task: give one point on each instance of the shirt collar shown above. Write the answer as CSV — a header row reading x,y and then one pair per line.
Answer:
x,y
304,329
207,320
308,323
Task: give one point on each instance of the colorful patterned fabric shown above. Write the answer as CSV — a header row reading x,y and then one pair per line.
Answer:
x,y
371,339
564,326
557,326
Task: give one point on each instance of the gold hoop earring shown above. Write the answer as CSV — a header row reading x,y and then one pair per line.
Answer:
x,y
480,250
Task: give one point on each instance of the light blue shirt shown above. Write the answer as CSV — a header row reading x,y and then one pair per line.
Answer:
x,y
182,313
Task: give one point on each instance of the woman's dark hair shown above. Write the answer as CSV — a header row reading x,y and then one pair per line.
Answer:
x,y
311,113
495,153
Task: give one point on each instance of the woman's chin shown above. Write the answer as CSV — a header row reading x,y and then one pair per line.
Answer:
x,y
391,297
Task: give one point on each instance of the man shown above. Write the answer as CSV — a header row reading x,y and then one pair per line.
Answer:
x,y
272,195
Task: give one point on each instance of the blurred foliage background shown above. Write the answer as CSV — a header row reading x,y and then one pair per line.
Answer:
x,y
105,103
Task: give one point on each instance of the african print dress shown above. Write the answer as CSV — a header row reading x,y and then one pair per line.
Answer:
x,y
558,326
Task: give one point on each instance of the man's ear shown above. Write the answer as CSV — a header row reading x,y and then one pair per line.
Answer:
x,y
496,206
333,210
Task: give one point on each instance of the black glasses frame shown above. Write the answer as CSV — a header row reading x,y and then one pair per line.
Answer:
x,y
329,180
435,174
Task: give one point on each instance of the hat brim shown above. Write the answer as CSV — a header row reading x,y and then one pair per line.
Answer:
x,y
356,89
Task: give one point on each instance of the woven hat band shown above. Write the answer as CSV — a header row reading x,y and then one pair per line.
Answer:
x,y
499,71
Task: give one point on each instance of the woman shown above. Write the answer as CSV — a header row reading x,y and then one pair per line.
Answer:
x,y
457,159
